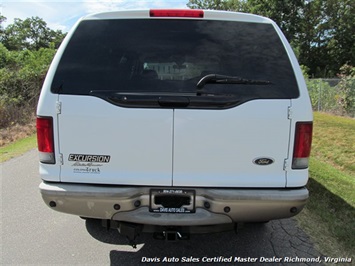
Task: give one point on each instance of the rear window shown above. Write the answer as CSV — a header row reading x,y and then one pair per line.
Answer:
x,y
169,57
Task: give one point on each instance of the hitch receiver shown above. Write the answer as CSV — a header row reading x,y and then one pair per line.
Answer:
x,y
171,235
130,231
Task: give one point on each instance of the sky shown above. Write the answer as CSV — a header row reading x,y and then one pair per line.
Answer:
x,y
62,15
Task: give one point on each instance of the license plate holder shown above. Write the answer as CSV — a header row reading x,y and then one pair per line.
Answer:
x,y
172,200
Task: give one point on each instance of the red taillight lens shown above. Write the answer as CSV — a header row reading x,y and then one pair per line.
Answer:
x,y
303,143
190,13
45,139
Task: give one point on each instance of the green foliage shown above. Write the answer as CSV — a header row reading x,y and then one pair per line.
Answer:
x,y
286,13
305,70
23,72
31,33
347,89
4,56
26,50
230,5
21,76
336,96
323,96
2,19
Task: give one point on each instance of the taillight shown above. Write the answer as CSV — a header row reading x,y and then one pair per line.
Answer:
x,y
303,142
45,139
190,13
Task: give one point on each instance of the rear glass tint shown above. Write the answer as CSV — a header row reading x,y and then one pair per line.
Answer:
x,y
171,56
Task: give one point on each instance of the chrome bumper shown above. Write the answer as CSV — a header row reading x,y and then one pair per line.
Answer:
x,y
131,204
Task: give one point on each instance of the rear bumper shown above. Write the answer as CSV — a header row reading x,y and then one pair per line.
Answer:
x,y
131,204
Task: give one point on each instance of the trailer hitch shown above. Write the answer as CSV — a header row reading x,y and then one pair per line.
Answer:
x,y
171,234
130,231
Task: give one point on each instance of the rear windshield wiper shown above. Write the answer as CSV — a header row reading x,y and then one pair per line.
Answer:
x,y
222,79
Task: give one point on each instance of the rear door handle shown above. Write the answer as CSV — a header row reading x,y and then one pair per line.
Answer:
x,y
173,101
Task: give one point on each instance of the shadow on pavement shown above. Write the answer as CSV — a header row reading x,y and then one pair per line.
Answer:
x,y
278,239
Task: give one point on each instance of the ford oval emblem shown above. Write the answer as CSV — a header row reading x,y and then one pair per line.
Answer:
x,y
263,161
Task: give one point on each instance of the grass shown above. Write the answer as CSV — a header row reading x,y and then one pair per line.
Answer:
x,y
334,141
16,131
16,139
17,148
329,216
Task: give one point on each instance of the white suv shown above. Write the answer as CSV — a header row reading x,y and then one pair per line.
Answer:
x,y
174,120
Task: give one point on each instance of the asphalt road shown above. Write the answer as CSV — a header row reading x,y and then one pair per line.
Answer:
x,y
32,234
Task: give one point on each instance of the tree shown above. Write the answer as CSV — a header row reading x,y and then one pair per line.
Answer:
x,y
340,28
286,13
326,36
229,5
2,19
31,33
26,49
347,89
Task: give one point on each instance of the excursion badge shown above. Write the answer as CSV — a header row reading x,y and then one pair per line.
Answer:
x,y
89,158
